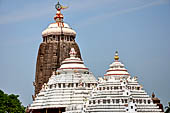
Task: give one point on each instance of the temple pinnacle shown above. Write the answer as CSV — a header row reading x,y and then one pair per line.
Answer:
x,y
116,56
58,6
72,53
59,17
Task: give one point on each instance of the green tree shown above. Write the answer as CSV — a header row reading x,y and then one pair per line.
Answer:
x,y
167,108
10,103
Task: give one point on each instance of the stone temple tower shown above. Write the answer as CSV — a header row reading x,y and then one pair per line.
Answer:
x,y
58,39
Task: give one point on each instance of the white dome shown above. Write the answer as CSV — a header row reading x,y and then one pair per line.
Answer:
x,y
65,89
56,29
117,69
73,63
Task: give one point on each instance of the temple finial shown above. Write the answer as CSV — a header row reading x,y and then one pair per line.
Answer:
x,y
59,17
58,6
116,56
73,53
153,95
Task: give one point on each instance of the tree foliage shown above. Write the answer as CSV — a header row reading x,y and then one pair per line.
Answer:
x,y
10,103
167,108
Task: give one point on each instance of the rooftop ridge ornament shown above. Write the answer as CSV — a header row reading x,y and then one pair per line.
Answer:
x,y
59,17
116,56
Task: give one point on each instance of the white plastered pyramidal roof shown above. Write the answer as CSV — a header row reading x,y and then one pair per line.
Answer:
x,y
68,87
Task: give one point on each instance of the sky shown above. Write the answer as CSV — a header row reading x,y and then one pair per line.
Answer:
x,y
138,29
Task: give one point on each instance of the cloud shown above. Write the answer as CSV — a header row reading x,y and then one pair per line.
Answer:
x,y
39,10
88,5
104,16
155,3
36,10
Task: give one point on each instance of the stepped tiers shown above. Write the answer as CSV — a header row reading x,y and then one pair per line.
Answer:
x,y
116,69
118,92
67,89
58,39
157,101
63,84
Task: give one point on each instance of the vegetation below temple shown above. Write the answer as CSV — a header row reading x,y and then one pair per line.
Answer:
x,y
10,103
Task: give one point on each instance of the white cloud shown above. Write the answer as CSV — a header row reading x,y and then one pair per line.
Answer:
x,y
36,10
104,16
42,9
88,5
39,10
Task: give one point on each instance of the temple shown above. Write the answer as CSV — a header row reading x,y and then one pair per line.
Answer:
x,y
118,92
67,89
58,39
63,84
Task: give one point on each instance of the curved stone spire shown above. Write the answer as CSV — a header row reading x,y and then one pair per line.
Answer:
x,y
58,39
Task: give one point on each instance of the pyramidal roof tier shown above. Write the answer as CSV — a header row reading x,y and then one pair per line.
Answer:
x,y
124,95
67,88
73,63
118,92
117,69
59,27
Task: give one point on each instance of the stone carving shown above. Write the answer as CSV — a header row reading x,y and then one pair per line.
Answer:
x,y
50,56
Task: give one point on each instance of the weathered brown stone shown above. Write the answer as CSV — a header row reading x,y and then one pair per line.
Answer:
x,y
157,101
50,56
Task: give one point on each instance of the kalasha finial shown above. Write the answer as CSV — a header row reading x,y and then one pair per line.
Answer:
x,y
116,56
153,95
73,52
59,17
